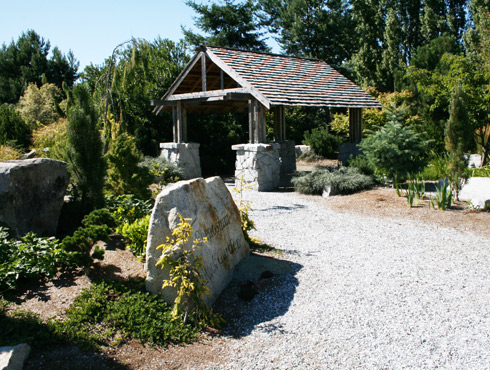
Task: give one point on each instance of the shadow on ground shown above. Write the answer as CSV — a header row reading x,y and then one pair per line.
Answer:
x,y
275,283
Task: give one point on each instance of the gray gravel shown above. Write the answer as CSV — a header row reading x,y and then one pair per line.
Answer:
x,y
366,293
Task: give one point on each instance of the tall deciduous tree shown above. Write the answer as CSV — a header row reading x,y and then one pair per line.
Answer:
x,y
26,61
230,23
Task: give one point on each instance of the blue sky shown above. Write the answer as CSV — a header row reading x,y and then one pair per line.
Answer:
x,y
90,28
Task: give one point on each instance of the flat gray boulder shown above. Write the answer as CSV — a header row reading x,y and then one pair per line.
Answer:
x,y
214,215
477,191
31,195
12,358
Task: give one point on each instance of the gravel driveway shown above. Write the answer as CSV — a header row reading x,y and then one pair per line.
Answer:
x,y
365,293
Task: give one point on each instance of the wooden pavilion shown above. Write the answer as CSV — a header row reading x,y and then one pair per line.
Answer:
x,y
222,80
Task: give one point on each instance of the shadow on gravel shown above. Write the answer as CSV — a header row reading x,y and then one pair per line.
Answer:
x,y
274,283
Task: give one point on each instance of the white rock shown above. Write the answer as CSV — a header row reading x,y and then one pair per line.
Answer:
x,y
12,358
477,191
214,215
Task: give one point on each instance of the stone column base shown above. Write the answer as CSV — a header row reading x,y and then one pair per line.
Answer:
x,y
346,150
258,164
184,155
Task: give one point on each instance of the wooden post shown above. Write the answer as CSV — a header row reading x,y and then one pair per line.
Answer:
x,y
184,124
277,124
262,124
256,121
282,121
179,122
174,123
355,125
222,80
203,72
250,121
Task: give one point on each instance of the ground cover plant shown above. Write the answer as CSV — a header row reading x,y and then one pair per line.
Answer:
x,y
345,180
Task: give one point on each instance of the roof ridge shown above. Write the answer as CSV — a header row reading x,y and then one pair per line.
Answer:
x,y
203,48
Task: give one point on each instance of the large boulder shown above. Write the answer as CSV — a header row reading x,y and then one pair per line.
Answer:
x,y
31,195
12,358
214,215
477,191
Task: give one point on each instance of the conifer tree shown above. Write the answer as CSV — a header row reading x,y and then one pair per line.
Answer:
x,y
84,150
458,130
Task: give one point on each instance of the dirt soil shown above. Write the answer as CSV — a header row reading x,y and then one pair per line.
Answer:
x,y
51,299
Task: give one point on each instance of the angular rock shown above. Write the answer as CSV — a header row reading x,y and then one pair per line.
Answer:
x,y
214,215
12,358
31,195
301,149
477,191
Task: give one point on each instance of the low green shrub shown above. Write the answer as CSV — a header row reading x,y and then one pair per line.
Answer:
x,y
310,156
344,180
104,314
444,197
31,257
127,208
322,142
137,233
164,171
362,164
480,172
437,168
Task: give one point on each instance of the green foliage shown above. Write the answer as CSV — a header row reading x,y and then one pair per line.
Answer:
x,y
104,314
232,25
186,277
8,153
54,138
13,129
84,152
480,172
163,171
244,207
127,208
137,234
136,74
97,225
26,61
415,190
443,198
456,135
322,142
437,167
395,150
363,165
124,173
31,257
40,105
343,180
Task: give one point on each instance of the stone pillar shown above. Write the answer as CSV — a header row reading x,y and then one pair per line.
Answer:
x,y
184,155
258,164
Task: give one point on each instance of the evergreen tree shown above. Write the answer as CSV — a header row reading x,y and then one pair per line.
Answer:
x,y
84,150
26,61
230,24
13,129
458,130
39,105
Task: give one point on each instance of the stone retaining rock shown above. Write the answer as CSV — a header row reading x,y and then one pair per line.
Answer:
x,y
31,195
12,358
477,191
214,215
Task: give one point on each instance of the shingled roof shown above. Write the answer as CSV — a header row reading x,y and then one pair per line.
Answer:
x,y
217,73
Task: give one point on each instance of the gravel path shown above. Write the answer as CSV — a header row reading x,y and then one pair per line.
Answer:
x,y
366,293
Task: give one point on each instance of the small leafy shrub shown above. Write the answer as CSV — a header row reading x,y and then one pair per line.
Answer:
x,y
310,156
13,129
362,164
480,172
52,137
127,208
31,257
340,124
185,276
322,142
124,175
345,180
163,171
8,153
97,225
394,149
437,167
137,234
244,207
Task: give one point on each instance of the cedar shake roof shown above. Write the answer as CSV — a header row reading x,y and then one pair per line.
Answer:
x,y
274,80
